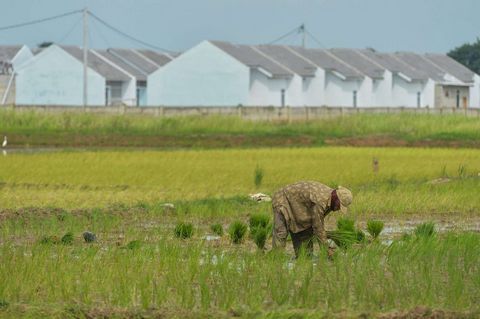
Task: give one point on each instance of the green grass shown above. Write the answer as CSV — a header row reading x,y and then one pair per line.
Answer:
x,y
237,231
183,230
94,130
374,228
160,273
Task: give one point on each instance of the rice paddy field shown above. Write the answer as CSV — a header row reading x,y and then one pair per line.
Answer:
x,y
164,242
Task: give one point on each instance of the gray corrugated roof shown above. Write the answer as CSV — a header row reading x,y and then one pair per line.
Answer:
x,y
8,52
421,64
451,66
359,62
289,59
159,58
139,74
325,61
395,65
94,62
248,56
133,58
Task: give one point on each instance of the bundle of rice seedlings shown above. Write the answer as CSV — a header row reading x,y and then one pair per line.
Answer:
x,y
346,224
217,229
342,238
425,230
183,230
259,220
237,231
374,228
260,237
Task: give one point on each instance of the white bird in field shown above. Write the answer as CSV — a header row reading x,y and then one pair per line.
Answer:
x,y
4,144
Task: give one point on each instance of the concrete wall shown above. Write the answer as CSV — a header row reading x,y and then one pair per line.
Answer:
x,y
340,92
314,89
55,77
382,90
405,93
267,91
249,113
204,75
475,92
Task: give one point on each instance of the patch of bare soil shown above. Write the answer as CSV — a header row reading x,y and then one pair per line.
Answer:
x,y
426,313
388,141
158,141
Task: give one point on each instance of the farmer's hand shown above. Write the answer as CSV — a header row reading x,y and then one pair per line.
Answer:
x,y
331,252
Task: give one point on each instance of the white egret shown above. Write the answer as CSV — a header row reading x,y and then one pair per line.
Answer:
x,y
4,144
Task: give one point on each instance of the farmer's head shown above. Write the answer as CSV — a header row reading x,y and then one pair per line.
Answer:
x,y
341,199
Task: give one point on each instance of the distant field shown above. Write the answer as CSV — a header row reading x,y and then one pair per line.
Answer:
x,y
98,179
93,130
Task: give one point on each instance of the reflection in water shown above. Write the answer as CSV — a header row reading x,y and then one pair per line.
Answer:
x,y
4,152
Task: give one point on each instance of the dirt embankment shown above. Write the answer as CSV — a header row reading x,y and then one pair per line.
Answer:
x,y
222,141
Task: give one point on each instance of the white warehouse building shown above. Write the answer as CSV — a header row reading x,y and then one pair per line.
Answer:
x,y
54,76
216,73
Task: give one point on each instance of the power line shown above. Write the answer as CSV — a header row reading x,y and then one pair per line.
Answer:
x,y
69,31
19,25
297,29
315,39
127,35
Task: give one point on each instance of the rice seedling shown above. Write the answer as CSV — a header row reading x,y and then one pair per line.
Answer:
x,y
217,229
259,220
183,230
258,176
134,244
260,237
67,239
425,230
237,231
49,240
374,228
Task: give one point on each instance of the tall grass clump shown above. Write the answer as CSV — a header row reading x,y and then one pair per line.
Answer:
x,y
260,237
259,220
374,228
425,230
217,229
237,231
258,176
183,230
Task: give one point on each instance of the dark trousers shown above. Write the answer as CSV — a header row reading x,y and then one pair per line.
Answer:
x,y
303,242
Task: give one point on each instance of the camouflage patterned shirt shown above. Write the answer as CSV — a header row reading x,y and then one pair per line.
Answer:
x,y
304,204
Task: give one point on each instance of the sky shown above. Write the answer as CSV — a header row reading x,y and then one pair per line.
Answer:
x,y
177,25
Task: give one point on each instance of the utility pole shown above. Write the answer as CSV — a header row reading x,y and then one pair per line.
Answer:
x,y
302,30
85,56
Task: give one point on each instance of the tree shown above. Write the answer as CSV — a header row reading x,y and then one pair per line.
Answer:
x,y
468,54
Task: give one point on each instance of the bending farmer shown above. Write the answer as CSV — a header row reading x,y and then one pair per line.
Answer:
x,y
300,209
